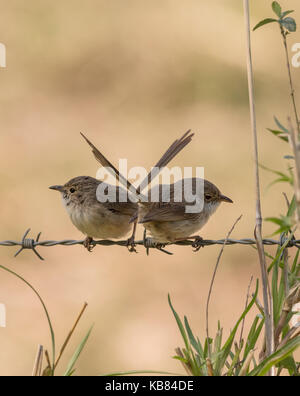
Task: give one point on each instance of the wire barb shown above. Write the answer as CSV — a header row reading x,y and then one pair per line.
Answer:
x,y
29,243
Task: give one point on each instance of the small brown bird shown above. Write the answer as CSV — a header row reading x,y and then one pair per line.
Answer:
x,y
106,220
95,219
169,221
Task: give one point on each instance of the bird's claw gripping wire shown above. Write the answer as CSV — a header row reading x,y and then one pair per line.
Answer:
x,y
89,244
131,246
149,243
198,243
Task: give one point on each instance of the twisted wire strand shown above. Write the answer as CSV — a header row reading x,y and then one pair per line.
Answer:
x,y
30,243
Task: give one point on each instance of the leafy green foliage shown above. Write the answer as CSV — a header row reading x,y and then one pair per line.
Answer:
x,y
264,22
279,134
282,132
235,358
276,7
284,222
289,24
286,13
281,176
281,127
226,358
277,357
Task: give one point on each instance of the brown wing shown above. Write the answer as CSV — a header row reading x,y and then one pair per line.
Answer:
x,y
126,208
165,212
168,211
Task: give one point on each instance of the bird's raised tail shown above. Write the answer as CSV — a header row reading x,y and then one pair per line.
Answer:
x,y
172,151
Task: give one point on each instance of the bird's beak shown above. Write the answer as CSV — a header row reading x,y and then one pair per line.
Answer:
x,y
57,188
225,199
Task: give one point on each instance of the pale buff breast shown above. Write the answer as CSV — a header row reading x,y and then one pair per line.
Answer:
x,y
171,231
99,222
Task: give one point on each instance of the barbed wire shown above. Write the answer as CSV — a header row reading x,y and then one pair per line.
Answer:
x,y
30,243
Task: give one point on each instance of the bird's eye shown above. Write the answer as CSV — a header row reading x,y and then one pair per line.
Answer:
x,y
208,197
72,190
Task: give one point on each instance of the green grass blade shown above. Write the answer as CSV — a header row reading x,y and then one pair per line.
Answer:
x,y
77,353
180,325
275,266
201,348
250,336
132,372
45,310
198,348
280,126
263,368
253,335
292,207
235,360
218,341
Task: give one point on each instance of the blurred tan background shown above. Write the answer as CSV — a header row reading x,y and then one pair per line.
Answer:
x,y
133,75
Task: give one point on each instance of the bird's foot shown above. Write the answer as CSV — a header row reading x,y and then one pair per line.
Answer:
x,y
88,244
197,244
131,245
151,243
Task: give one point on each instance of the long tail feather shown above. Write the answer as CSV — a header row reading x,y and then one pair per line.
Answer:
x,y
172,151
110,167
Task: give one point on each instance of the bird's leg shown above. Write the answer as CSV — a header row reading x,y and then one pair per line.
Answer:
x,y
87,243
130,242
147,242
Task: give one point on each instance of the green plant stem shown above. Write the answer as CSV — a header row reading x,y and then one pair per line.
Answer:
x,y
283,34
293,139
294,135
258,228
